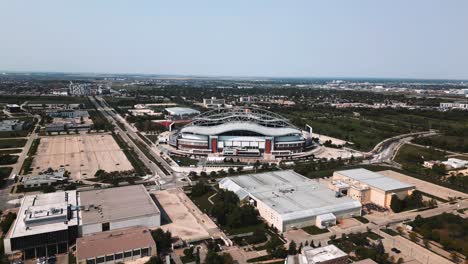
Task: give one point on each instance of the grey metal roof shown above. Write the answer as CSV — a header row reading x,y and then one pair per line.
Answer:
x,y
182,111
290,194
111,204
246,126
374,179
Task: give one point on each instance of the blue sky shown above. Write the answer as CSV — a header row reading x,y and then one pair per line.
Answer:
x,y
329,38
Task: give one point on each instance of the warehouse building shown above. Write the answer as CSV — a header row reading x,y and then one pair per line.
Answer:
x,y
286,199
180,113
118,246
366,186
12,125
322,255
46,225
114,208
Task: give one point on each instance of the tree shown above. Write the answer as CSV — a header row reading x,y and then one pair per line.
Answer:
x,y
395,204
203,174
48,189
240,168
154,260
231,171
7,221
454,257
213,174
163,240
200,189
426,243
413,237
292,248
275,248
380,248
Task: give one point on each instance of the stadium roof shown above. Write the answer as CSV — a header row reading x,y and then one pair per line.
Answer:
x,y
240,125
182,111
374,179
254,115
106,205
290,194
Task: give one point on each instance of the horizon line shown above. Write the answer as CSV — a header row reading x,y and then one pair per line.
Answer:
x,y
229,76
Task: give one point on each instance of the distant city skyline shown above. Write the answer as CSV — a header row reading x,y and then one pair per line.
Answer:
x,y
273,39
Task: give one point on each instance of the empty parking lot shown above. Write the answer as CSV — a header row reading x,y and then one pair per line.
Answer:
x,y
82,155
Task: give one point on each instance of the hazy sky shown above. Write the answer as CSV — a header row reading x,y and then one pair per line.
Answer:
x,y
328,38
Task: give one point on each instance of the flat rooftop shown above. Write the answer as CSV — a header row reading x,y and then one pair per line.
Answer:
x,y
322,254
43,213
112,204
110,242
290,194
374,179
182,111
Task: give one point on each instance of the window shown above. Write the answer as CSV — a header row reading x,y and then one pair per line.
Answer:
x,y
109,258
136,252
127,254
118,256
105,227
100,260
90,261
144,252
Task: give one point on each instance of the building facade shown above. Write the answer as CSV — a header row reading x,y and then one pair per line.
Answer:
x,y
241,132
369,187
288,200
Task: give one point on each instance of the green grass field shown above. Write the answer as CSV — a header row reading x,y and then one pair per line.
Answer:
x,y
414,155
12,143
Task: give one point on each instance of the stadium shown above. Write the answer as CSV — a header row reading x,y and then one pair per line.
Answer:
x,y
241,131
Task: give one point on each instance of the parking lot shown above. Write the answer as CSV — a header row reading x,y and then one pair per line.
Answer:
x,y
424,186
82,155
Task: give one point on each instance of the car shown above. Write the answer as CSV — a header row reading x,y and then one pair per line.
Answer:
x,y
41,260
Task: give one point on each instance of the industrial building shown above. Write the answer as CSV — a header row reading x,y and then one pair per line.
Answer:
x,y
213,102
13,108
48,178
66,113
369,187
115,208
119,246
46,225
12,125
180,113
322,255
286,199
241,131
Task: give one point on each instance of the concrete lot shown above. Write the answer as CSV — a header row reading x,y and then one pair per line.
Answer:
x,y
424,186
187,221
82,155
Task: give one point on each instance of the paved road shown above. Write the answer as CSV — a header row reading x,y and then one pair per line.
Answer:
x,y
130,131
378,222
386,150
5,195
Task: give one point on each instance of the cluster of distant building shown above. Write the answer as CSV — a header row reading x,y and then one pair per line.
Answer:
x,y
451,163
12,125
454,105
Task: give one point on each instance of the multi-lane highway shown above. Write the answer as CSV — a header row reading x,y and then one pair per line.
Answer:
x,y
129,135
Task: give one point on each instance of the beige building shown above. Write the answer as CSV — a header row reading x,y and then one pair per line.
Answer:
x,y
323,255
118,246
369,187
